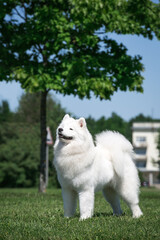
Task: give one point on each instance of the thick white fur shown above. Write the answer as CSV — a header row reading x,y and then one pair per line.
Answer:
x,y
84,168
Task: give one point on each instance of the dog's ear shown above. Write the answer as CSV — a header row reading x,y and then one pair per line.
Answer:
x,y
66,117
82,122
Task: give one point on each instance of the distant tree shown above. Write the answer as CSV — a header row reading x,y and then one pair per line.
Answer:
x,y
29,108
141,118
19,155
113,123
102,124
94,126
116,123
91,124
63,45
5,113
20,139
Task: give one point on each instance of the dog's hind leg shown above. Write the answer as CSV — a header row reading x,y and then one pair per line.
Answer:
x,y
69,202
113,198
130,196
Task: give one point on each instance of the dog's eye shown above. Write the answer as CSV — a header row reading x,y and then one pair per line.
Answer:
x,y
71,129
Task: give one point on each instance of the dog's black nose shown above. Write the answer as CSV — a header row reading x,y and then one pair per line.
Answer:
x,y
60,130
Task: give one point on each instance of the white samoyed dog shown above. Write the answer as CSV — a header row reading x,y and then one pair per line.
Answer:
x,y
84,168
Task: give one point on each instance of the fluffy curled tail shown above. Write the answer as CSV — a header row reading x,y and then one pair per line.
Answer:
x,y
119,147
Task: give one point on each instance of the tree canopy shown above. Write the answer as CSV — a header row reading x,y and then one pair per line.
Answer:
x,y
63,45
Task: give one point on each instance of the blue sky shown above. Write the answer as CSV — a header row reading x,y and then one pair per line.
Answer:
x,y
125,104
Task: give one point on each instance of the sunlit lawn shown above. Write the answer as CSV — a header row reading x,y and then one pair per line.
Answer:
x,y
26,214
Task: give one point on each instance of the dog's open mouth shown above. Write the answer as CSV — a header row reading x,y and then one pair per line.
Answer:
x,y
65,137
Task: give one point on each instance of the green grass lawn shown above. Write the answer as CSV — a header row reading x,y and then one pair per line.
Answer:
x,y
26,214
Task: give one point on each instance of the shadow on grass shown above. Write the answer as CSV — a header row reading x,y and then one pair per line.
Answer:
x,y
99,214
104,214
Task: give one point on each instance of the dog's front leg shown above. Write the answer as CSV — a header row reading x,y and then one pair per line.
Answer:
x,y
69,202
86,203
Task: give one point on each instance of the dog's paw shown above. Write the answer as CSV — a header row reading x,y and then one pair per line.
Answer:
x,y
138,213
84,217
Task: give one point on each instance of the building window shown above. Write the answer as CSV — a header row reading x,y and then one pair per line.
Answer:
x,y
141,164
141,139
140,151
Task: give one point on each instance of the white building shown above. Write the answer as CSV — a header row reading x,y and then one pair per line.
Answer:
x,y
144,139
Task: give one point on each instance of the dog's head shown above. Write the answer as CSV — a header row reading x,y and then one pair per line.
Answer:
x,y
71,129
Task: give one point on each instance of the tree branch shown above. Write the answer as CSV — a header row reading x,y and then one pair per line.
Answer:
x,y
20,15
37,46
23,4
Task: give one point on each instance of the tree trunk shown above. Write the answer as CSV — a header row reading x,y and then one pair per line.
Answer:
x,y
42,184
